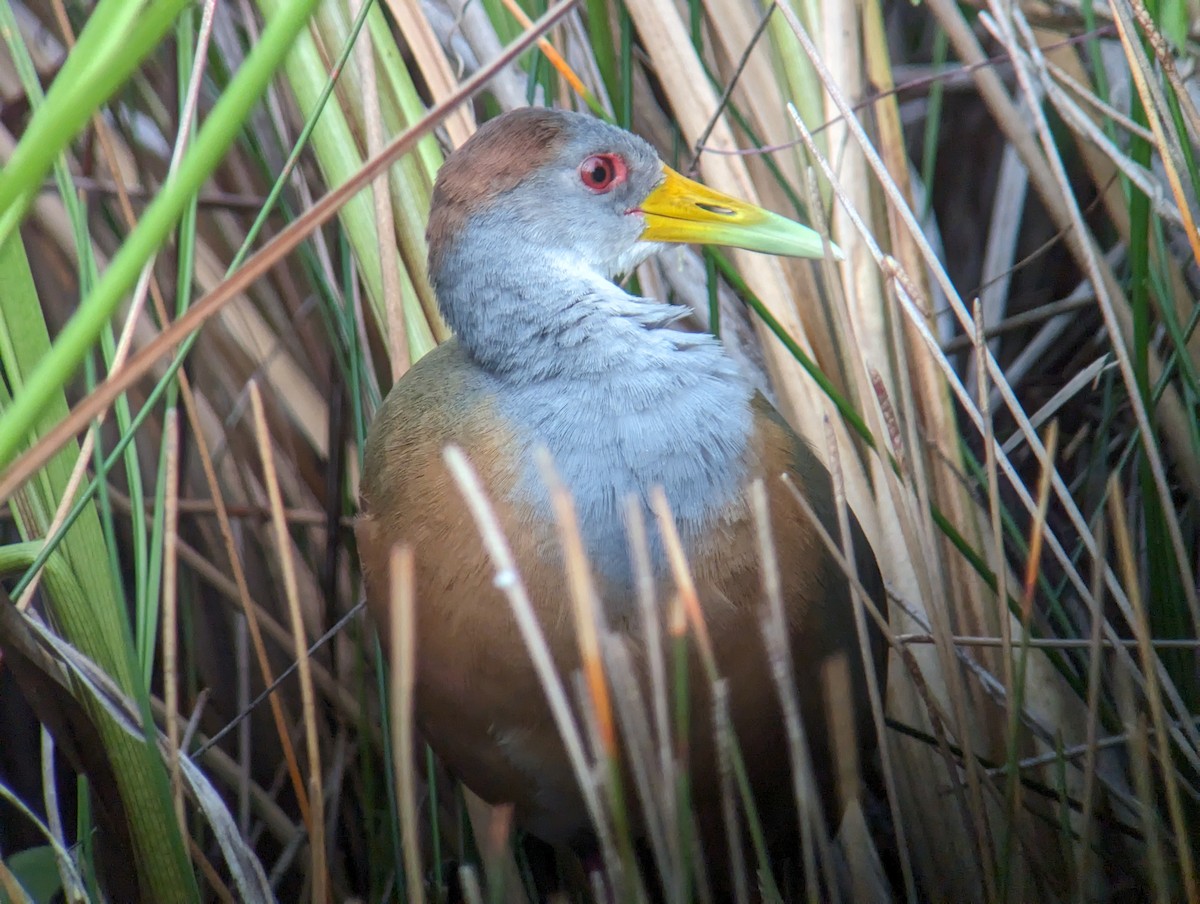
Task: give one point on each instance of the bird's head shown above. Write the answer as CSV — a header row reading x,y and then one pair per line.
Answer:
x,y
568,186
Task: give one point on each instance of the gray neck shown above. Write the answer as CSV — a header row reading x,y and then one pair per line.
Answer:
x,y
622,401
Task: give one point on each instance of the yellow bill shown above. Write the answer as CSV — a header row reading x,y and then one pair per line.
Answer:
x,y
680,210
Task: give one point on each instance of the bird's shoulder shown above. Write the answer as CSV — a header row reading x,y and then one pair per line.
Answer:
x,y
443,399
408,494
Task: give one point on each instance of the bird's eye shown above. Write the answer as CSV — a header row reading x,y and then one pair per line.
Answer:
x,y
600,172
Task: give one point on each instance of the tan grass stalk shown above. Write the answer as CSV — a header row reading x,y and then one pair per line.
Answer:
x,y
316,818
723,732
1162,53
402,602
385,224
215,882
857,845
639,749
552,55
651,623
999,561
1105,297
1048,175
814,838
874,696
11,887
921,545
585,605
189,400
1139,764
494,826
435,68
278,707
682,576
956,691
1103,160
1152,102
933,710
1011,122
1053,643
1037,531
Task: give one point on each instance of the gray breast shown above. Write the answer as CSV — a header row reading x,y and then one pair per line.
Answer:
x,y
679,420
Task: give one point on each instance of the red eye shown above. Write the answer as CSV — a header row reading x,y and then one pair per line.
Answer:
x,y
600,172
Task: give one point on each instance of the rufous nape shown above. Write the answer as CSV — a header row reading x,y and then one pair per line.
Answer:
x,y
532,219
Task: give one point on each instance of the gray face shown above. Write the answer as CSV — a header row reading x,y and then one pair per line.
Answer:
x,y
581,205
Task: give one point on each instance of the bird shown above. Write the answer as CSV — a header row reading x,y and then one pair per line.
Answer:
x,y
532,222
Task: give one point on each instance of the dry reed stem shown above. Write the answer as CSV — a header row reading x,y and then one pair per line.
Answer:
x,y
344,702
916,317
1153,101
1140,758
1162,52
385,223
552,55
996,97
250,610
814,839
210,872
639,557
682,575
492,825
640,751
1051,643
723,731
403,646
316,820
999,560
874,695
844,742
435,67
11,887
937,718
1037,530
584,604
224,767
